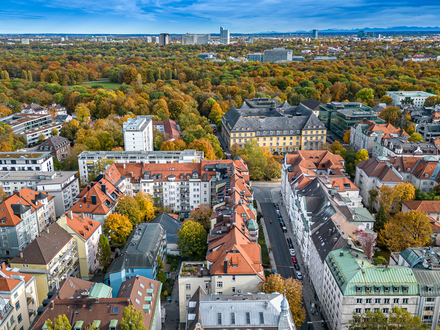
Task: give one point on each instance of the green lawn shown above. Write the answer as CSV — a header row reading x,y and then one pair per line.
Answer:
x,y
264,252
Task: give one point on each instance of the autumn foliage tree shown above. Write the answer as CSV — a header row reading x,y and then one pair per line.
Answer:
x,y
191,240
128,206
146,206
404,230
205,146
361,155
346,138
132,319
392,115
202,215
293,290
118,228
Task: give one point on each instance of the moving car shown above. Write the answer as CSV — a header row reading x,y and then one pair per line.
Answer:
x,y
294,260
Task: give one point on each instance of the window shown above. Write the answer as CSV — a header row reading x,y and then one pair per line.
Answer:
x,y
232,318
377,301
395,300
359,301
261,318
16,295
19,318
233,278
233,289
367,309
404,300
219,318
386,301
220,284
358,310
368,301
188,297
17,305
248,318
115,309
137,301
188,286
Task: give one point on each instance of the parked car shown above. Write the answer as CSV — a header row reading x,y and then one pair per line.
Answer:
x,y
294,260
214,130
296,266
284,229
290,246
292,252
299,275
289,240
275,205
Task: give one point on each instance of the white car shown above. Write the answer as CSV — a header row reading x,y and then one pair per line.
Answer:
x,y
299,275
292,252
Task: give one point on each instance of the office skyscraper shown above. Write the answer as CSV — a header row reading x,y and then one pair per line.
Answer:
x,y
224,36
164,39
315,34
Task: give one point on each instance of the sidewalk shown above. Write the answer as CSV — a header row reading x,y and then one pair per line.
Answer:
x,y
307,291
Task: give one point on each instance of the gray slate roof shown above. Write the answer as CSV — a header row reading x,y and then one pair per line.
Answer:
x,y
141,249
171,226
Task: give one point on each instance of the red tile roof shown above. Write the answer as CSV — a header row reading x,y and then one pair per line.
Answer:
x,y
423,206
170,127
81,224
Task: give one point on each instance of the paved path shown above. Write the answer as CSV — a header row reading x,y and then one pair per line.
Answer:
x,y
172,309
268,193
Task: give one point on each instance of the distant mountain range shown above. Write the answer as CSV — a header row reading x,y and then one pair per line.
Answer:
x,y
385,30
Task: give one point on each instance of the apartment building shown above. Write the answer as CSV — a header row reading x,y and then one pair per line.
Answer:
x,y
366,134
26,161
58,146
280,127
398,147
224,36
62,185
233,262
352,283
51,258
89,305
88,159
249,311
18,291
140,255
169,128
86,233
421,172
100,197
138,134
255,57
308,164
277,55
22,122
32,136
195,39
416,98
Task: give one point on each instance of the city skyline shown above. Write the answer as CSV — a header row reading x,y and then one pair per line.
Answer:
x,y
179,17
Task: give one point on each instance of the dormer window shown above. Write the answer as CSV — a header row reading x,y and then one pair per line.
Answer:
x,y
426,175
405,289
367,288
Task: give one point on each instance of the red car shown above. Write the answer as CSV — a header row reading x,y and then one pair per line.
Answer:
x,y
294,260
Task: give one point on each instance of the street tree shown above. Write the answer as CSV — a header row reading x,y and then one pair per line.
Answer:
x,y
202,215
128,206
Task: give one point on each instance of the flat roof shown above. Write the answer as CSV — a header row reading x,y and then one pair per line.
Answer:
x,y
411,93
23,154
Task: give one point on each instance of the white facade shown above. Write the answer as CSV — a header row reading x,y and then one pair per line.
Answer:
x,y
138,134
224,36
33,136
26,161
87,159
417,97
64,186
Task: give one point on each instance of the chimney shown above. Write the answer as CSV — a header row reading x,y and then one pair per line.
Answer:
x,y
329,232
335,239
94,200
103,188
70,215
225,265
123,165
88,187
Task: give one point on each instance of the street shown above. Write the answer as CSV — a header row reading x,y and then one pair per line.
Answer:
x,y
267,193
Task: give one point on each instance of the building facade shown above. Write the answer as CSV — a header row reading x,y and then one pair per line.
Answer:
x,y
22,122
195,39
58,146
277,55
280,127
255,57
26,161
140,255
86,233
224,36
164,39
62,185
416,98
33,136
138,134
51,258
88,159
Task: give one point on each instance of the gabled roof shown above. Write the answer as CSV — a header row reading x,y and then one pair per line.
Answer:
x,y
380,169
170,224
45,247
56,142
423,206
81,224
8,284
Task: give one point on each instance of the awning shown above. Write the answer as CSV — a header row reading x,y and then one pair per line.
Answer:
x,y
96,324
113,323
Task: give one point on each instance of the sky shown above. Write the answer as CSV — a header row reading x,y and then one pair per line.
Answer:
x,y
206,16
